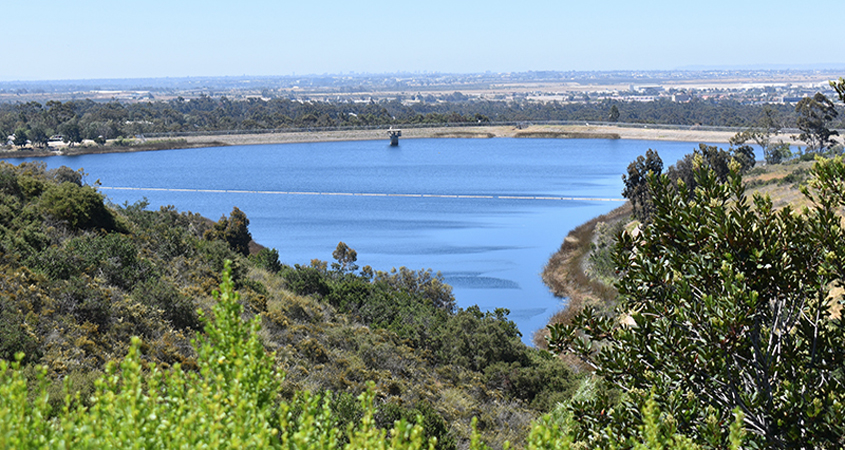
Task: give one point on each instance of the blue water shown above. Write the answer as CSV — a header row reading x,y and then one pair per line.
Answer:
x,y
491,250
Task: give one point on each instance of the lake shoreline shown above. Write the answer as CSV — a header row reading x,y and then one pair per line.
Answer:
x,y
586,131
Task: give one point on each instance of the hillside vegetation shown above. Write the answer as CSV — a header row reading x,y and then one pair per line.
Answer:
x,y
114,334
79,278
714,294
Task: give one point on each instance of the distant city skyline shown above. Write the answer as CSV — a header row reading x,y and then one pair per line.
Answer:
x,y
97,39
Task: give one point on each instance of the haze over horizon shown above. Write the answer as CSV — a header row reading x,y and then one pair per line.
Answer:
x,y
95,39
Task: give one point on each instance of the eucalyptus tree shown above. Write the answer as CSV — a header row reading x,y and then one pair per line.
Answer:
x,y
814,117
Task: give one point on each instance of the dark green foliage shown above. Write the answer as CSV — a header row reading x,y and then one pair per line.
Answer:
x,y
20,137
102,121
82,298
66,174
815,115
613,115
476,339
639,171
73,294
81,207
267,259
233,231
636,187
15,335
71,133
542,379
305,280
112,256
422,414
37,136
423,282
410,304
724,303
166,232
162,295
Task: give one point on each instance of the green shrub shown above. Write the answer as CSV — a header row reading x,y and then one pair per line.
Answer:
x,y
267,259
306,280
178,309
15,335
81,297
81,207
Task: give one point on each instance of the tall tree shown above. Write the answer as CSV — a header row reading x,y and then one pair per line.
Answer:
x,y
234,231
20,137
814,116
345,258
38,136
71,133
636,186
613,116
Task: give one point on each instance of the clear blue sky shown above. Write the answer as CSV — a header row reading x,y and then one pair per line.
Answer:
x,y
50,40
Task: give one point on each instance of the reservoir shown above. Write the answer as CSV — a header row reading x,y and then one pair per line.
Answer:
x,y
487,213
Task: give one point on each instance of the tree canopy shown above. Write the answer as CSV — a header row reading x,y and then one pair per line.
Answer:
x,y
815,115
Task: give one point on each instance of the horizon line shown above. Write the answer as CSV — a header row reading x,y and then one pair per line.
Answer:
x,y
689,69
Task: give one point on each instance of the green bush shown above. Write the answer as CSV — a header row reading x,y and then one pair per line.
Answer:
x,y
81,297
267,259
15,335
81,207
306,280
178,309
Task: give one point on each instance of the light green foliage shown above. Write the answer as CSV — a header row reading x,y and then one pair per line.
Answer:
x,y
232,402
724,303
229,403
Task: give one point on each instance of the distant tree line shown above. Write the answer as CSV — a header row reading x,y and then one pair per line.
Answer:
x,y
76,120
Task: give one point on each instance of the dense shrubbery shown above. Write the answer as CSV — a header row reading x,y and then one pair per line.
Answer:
x,y
76,298
724,303
419,308
74,291
232,402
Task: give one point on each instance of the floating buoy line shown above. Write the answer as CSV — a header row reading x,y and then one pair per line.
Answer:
x,y
365,194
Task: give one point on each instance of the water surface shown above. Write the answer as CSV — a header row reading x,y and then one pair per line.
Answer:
x,y
429,203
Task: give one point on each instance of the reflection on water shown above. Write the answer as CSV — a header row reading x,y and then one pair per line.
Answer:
x,y
491,250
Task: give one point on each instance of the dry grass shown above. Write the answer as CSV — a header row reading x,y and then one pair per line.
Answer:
x,y
566,276
566,135
464,134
